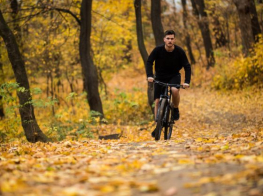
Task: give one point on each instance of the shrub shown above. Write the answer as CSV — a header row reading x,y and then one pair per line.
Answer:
x,y
243,72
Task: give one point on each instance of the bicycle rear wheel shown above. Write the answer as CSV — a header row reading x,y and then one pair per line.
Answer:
x,y
168,124
160,115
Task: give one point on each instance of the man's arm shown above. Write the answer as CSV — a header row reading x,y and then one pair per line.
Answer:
x,y
149,65
187,68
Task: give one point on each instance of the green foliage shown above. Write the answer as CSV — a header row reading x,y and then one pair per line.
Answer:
x,y
7,88
243,72
71,95
58,130
36,91
128,107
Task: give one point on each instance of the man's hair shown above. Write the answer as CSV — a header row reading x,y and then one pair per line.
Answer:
x,y
169,32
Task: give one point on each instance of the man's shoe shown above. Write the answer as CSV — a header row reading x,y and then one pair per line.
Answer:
x,y
153,133
176,114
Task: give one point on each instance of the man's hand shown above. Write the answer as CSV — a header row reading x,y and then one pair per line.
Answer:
x,y
150,79
185,85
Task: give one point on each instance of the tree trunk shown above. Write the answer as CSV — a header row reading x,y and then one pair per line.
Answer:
x,y
26,109
227,33
15,7
187,37
143,51
201,16
243,9
235,31
220,38
2,114
261,14
156,21
254,20
89,70
127,51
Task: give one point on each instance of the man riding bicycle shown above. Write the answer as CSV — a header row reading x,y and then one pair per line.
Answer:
x,y
169,60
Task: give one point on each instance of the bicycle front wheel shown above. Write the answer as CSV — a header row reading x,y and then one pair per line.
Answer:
x,y
160,116
168,132
169,124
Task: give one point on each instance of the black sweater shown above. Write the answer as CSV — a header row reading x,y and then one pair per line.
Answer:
x,y
168,64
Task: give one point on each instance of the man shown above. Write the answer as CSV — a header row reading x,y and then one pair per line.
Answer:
x,y
169,60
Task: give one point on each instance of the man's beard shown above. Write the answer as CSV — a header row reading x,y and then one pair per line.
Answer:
x,y
169,45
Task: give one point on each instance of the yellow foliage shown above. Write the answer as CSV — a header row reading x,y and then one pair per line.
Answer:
x,y
243,72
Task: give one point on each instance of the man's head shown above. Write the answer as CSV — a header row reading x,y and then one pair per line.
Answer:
x,y
168,39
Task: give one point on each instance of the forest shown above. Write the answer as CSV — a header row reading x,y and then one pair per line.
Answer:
x,y
77,111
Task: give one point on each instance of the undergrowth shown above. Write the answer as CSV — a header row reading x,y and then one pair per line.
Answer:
x,y
242,72
71,118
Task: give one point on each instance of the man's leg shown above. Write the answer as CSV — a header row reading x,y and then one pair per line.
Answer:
x,y
176,101
176,97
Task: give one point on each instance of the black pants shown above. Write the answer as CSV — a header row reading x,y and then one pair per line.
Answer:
x,y
159,89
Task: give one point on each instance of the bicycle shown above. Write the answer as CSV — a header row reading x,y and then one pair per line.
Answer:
x,y
165,111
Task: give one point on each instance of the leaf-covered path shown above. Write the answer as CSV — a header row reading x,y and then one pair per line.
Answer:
x,y
216,149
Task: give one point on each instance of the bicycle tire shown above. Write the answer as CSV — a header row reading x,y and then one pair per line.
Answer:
x,y
168,129
168,132
160,115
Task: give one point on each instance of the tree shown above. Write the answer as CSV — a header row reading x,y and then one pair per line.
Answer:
x,y
156,21
201,17
88,68
254,20
143,51
187,36
2,114
243,9
26,109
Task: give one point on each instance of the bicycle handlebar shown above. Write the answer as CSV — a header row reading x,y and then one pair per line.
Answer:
x,y
167,84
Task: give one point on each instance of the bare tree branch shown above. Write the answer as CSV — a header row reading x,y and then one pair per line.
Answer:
x,y
66,11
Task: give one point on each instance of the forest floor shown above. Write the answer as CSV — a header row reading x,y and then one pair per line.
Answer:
x,y
216,149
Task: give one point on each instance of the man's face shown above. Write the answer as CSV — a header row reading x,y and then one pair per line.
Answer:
x,y
169,40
